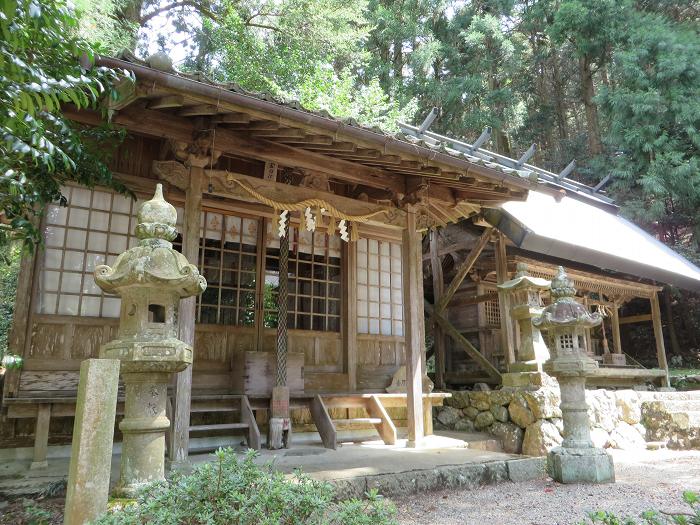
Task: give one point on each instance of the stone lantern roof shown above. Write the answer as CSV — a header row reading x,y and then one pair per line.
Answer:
x,y
524,280
565,311
153,263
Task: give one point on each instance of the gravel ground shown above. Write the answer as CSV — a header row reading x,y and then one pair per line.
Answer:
x,y
645,480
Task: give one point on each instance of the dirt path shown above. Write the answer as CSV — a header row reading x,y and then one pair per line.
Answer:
x,y
645,480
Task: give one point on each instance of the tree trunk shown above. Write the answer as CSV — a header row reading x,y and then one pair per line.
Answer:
x,y
587,94
128,14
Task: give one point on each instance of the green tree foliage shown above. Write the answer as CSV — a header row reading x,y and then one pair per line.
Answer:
x,y
9,269
40,149
653,113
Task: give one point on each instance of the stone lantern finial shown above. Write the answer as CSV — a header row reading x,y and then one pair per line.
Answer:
x,y
150,278
157,219
577,460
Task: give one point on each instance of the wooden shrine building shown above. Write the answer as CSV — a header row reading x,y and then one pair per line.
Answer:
x,y
241,168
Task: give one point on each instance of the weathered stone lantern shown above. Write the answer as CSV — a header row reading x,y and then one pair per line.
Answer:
x,y
525,292
577,460
151,278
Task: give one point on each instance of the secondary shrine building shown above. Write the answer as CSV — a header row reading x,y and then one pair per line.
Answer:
x,y
358,202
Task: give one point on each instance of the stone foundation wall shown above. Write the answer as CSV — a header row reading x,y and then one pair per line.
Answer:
x,y
529,421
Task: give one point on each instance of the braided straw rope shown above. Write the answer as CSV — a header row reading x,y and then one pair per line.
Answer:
x,y
302,205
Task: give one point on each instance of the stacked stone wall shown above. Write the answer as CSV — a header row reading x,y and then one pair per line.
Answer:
x,y
529,421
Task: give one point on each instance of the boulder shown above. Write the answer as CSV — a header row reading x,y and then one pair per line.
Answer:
x,y
459,399
544,402
519,412
464,425
501,397
499,413
600,438
602,410
471,412
559,423
448,416
629,406
480,400
626,437
510,435
540,438
484,420
482,387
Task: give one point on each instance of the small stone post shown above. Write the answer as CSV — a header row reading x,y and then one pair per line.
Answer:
x,y
577,460
93,434
524,291
151,278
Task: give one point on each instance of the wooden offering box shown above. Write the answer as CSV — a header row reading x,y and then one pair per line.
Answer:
x,y
256,372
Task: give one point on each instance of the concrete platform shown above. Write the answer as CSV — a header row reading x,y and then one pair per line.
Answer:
x,y
447,460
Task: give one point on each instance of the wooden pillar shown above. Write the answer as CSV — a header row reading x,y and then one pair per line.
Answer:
x,y
41,436
587,331
349,318
659,336
412,255
507,332
187,315
438,287
615,324
20,331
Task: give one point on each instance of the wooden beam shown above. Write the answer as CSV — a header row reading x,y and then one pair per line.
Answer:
x,y
232,118
159,124
281,132
635,319
451,248
463,343
438,288
308,139
179,449
281,192
463,270
659,337
507,333
386,429
198,110
324,423
336,147
476,299
414,331
168,101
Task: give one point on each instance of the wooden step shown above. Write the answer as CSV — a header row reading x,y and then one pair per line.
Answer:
x,y
221,426
358,420
203,408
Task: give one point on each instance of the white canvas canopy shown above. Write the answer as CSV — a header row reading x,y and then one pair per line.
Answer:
x,y
573,230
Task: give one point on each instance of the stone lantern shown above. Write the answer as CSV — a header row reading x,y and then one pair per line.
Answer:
x,y
151,278
525,292
577,460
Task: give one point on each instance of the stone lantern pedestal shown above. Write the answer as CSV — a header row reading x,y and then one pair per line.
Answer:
x,y
532,353
577,460
151,278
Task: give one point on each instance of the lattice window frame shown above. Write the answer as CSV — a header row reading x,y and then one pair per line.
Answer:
x,y
379,287
314,298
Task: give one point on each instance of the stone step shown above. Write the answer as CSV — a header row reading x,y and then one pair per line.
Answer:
x,y
679,405
475,440
220,426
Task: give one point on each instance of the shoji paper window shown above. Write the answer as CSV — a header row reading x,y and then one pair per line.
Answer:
x,y
379,288
314,280
227,259
91,230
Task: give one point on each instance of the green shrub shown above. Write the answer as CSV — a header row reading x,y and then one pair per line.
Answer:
x,y
654,517
236,491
